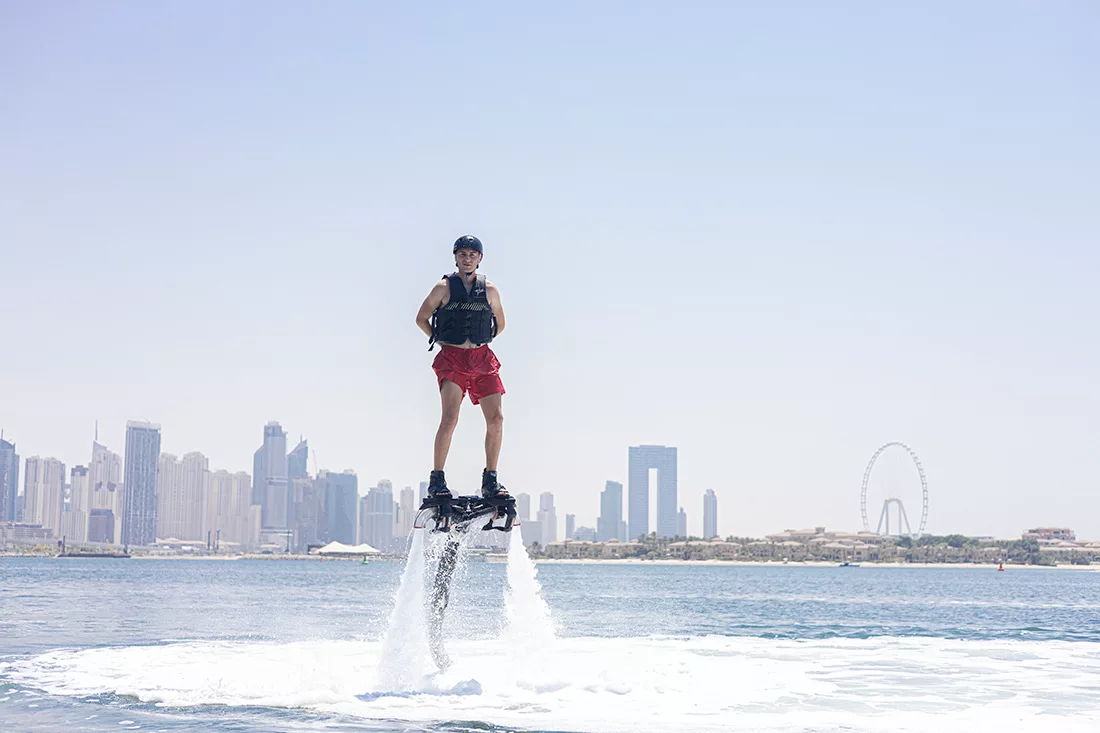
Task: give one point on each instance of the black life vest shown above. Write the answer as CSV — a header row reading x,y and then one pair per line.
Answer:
x,y
466,317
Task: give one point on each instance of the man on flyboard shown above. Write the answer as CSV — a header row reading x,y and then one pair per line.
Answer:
x,y
462,314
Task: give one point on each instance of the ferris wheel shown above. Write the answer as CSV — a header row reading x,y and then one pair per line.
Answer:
x,y
903,460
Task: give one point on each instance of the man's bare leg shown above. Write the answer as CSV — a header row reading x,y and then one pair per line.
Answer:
x,y
494,429
450,394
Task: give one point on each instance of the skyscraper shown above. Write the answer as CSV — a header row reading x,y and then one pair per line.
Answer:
x,y
231,517
341,506
548,518
9,480
139,513
682,523
710,515
196,487
308,517
105,484
531,532
408,510
523,507
44,492
423,491
258,476
570,525
297,471
182,495
80,494
397,529
377,524
101,526
297,461
611,512
169,497
220,503
74,520
270,484
642,459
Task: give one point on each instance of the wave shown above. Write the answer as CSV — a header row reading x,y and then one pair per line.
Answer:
x,y
607,685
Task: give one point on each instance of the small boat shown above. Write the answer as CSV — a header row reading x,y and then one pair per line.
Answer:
x,y
1001,568
847,564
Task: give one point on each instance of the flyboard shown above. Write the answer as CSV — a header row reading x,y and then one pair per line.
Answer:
x,y
455,516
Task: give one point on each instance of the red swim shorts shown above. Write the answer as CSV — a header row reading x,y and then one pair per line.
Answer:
x,y
476,371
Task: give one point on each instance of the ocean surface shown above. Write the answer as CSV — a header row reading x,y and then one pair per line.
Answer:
x,y
269,645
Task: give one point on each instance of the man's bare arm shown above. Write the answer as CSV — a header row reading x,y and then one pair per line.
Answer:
x,y
429,306
493,294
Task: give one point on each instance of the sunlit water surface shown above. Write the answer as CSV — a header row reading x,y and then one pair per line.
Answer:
x,y
251,646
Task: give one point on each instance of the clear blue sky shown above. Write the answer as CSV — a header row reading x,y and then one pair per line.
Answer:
x,y
775,235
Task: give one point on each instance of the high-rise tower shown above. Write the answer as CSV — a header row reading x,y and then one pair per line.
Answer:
x,y
44,492
642,459
270,487
611,512
9,480
139,513
710,515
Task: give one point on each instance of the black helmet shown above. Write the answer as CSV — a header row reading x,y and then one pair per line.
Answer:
x,y
468,241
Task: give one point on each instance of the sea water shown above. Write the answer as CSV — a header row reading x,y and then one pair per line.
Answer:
x,y
98,645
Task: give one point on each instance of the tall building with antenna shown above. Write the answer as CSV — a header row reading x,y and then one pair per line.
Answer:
x,y
106,494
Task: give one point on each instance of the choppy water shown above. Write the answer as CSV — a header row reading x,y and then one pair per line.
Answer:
x,y
97,645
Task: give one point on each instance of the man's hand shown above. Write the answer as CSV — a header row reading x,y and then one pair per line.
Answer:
x,y
430,305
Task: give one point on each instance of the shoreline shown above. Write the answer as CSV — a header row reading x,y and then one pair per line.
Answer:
x,y
584,561
808,564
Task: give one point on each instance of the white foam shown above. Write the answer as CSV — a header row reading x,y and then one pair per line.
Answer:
x,y
405,662
529,626
620,684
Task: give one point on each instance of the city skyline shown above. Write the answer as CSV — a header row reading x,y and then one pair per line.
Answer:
x,y
185,511
104,496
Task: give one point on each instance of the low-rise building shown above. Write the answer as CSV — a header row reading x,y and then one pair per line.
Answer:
x,y
1051,534
22,534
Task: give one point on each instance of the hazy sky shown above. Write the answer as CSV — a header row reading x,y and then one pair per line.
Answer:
x,y
774,235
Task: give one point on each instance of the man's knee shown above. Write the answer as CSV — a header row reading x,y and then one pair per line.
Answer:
x,y
494,418
449,421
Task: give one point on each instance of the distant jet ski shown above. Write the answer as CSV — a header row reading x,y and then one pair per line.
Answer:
x,y
455,515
